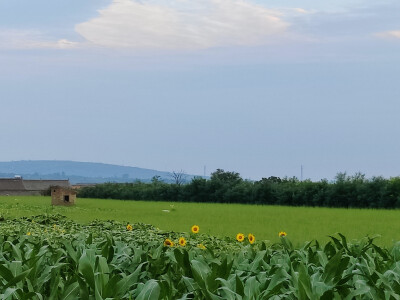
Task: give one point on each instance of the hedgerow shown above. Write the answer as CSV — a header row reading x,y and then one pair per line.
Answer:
x,y
228,187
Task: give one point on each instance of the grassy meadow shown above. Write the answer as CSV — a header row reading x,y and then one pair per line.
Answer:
x,y
301,223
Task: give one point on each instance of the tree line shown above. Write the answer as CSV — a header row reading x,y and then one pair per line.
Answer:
x,y
228,187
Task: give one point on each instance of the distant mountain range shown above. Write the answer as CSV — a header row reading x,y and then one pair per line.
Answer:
x,y
81,172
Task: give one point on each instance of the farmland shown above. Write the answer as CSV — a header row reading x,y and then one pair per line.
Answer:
x,y
51,257
112,249
301,223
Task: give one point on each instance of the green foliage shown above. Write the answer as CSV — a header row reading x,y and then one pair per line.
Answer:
x,y
61,259
228,187
302,223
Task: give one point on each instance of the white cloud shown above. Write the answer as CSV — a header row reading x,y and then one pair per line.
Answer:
x,y
389,34
31,39
61,44
182,24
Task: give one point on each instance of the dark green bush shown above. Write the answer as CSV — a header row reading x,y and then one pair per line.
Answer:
x,y
228,187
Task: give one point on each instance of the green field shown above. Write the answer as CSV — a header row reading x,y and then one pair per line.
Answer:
x,y
50,256
301,223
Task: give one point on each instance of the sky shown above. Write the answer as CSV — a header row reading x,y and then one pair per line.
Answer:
x,y
256,87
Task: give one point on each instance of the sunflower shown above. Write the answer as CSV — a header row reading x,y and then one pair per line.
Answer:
x,y
282,234
28,233
195,229
240,237
251,238
129,227
168,243
201,246
182,241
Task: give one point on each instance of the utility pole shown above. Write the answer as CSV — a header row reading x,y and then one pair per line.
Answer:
x,y
301,172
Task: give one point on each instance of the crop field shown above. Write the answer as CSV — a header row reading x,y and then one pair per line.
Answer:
x,y
107,249
301,223
52,257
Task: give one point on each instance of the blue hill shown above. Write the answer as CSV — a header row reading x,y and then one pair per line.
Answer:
x,y
80,172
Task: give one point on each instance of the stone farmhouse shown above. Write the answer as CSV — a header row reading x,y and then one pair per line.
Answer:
x,y
62,196
22,187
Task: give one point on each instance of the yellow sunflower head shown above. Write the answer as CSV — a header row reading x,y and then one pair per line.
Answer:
x,y
251,238
282,234
240,237
129,227
28,233
195,229
168,243
182,241
201,246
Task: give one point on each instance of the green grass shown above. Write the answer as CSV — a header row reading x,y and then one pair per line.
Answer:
x,y
301,223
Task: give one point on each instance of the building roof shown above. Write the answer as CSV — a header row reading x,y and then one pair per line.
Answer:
x,y
18,184
11,184
41,185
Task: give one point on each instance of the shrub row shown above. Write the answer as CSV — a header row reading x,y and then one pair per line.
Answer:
x,y
229,187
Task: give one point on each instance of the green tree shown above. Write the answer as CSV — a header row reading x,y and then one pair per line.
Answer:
x,y
226,177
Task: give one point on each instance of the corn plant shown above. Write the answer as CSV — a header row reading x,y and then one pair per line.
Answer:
x,y
51,257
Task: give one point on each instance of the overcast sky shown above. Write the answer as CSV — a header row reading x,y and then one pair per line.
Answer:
x,y
256,87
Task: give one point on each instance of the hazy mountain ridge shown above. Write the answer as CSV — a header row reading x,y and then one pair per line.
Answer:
x,y
80,172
